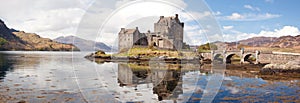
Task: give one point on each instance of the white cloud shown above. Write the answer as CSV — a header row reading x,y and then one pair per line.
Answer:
x,y
235,16
217,13
84,18
284,31
251,8
227,27
250,17
47,18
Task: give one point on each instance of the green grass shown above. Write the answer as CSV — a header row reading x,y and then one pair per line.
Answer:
x,y
145,52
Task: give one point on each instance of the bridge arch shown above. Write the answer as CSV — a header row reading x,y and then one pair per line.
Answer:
x,y
247,57
229,57
216,56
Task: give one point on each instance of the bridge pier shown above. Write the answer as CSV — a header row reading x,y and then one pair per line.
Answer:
x,y
257,57
242,60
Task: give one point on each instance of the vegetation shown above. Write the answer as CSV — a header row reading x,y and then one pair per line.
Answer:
x,y
146,52
101,53
2,41
207,47
240,46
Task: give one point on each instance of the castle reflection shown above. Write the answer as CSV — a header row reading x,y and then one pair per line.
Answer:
x,y
166,78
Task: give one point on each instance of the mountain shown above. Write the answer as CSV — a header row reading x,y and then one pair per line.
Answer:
x,y
82,44
11,39
277,42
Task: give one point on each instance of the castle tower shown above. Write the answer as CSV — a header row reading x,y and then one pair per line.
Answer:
x,y
171,31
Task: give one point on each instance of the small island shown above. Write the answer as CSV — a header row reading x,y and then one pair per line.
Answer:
x,y
165,43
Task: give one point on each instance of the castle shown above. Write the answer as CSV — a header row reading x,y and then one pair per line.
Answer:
x,y
168,34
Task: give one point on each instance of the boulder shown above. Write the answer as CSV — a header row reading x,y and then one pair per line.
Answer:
x,y
291,66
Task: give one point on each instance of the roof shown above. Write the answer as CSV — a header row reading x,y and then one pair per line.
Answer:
x,y
167,19
129,31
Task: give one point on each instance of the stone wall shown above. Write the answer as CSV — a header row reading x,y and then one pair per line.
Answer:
x,y
277,58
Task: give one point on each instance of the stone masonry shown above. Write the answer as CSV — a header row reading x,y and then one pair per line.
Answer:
x,y
168,34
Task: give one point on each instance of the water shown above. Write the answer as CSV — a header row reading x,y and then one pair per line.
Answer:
x,y
68,77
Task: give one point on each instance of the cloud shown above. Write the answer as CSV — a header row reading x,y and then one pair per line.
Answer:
x,y
227,27
251,8
286,30
98,20
234,35
249,17
48,18
235,16
217,13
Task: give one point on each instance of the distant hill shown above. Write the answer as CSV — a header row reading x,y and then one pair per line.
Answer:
x,y
82,44
266,44
11,39
280,42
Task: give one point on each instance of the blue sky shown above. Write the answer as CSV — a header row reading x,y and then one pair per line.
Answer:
x,y
287,9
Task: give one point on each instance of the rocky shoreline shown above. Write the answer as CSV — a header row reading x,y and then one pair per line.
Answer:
x,y
289,67
111,58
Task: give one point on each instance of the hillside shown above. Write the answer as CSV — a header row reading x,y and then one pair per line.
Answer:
x,y
19,40
273,42
82,44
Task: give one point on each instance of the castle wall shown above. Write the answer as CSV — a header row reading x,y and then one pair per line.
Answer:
x,y
177,30
125,41
168,34
172,30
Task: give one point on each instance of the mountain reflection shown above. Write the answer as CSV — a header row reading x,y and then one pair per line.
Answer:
x,y
5,65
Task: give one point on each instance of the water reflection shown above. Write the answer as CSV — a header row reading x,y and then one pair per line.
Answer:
x,y
164,80
5,66
67,77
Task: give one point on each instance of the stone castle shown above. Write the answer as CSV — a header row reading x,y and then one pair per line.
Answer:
x,y
168,34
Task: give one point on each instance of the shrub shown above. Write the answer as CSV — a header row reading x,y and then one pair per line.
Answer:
x,y
2,41
100,52
207,47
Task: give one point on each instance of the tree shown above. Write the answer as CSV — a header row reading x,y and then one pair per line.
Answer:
x,y
207,47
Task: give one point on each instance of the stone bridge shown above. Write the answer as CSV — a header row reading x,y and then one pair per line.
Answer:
x,y
228,55
245,56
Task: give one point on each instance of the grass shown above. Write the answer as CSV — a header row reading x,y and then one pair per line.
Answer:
x,y
145,52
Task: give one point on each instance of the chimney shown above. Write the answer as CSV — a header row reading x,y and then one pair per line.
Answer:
x,y
176,15
161,17
123,29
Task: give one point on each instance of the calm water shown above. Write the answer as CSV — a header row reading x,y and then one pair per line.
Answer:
x,y
68,77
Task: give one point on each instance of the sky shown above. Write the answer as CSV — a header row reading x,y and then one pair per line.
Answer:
x,y
205,20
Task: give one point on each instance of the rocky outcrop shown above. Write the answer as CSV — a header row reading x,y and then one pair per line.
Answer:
x,y
84,45
11,41
35,42
19,40
291,66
